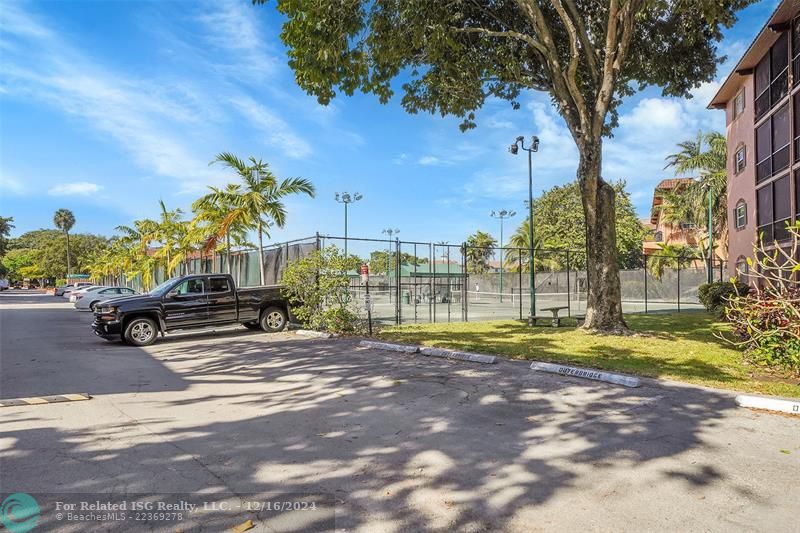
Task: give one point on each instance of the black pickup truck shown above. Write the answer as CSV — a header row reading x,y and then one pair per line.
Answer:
x,y
189,302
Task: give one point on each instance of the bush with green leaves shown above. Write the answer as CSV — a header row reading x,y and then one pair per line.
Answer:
x,y
766,321
317,289
714,296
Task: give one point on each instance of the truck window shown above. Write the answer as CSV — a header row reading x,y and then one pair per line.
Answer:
x,y
190,286
218,285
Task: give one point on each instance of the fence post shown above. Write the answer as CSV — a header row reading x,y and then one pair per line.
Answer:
x,y
569,303
416,291
519,283
464,298
432,282
398,316
679,285
645,283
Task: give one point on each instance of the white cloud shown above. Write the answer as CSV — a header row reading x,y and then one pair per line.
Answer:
x,y
400,159
232,26
10,185
431,160
277,131
77,188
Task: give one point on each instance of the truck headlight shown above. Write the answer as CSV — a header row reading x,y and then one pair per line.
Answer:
x,y
108,310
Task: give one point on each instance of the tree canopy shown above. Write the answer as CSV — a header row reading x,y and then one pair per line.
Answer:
x,y
559,224
43,253
453,56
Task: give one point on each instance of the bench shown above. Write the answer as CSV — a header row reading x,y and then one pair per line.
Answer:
x,y
555,319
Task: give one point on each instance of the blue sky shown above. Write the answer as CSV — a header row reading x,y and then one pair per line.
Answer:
x,y
107,107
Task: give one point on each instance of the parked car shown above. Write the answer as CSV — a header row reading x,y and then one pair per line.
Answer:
x,y
88,299
74,294
77,287
69,287
189,302
4,284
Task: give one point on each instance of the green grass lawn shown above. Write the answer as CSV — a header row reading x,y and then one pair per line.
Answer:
x,y
679,346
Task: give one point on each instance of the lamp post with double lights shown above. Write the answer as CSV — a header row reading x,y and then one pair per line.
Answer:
x,y
519,143
502,215
346,198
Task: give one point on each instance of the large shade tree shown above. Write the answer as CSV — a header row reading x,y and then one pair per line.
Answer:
x,y
586,54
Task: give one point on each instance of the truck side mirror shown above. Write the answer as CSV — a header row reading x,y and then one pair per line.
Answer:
x,y
172,294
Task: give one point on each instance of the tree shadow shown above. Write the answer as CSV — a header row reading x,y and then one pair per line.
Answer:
x,y
406,442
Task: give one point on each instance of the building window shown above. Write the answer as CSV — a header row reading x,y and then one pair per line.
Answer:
x,y
659,237
796,47
772,144
797,193
740,159
772,76
741,214
774,210
738,104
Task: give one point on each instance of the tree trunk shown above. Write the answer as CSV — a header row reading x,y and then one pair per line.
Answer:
x,y
69,264
228,247
604,301
261,253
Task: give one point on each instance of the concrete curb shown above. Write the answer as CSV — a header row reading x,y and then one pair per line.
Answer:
x,y
315,334
772,404
37,400
586,373
462,356
391,347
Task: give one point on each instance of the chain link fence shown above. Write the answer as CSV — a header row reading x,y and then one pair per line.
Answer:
x,y
427,282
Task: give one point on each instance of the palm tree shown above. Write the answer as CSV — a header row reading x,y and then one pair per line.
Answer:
x,y
5,230
258,204
168,232
216,217
706,158
518,259
64,220
479,248
670,256
132,250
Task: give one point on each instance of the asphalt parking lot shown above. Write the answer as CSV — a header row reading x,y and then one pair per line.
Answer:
x,y
403,443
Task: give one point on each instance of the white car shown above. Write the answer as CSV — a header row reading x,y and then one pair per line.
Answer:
x,y
66,289
89,299
75,294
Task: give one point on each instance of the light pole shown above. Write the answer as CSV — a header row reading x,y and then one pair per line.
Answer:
x,y
519,142
346,198
502,215
389,232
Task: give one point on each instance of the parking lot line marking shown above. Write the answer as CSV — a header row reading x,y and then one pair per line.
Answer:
x,y
34,401
76,397
38,400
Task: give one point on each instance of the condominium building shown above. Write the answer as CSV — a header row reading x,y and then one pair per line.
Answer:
x,y
761,99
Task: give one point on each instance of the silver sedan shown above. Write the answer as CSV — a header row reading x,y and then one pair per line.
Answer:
x,y
89,299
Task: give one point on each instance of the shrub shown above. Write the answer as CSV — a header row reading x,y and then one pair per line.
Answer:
x,y
767,325
317,289
767,320
714,296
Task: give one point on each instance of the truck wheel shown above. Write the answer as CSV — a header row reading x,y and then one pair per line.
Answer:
x,y
273,319
141,332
